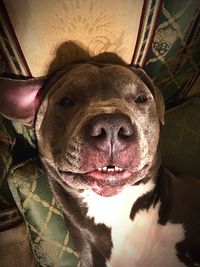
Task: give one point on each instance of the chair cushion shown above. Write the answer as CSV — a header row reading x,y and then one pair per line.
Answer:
x,y
180,138
50,240
9,215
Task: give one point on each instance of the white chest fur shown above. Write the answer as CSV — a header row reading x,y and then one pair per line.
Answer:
x,y
140,242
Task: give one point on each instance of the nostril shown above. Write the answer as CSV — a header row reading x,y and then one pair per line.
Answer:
x,y
125,132
102,133
97,132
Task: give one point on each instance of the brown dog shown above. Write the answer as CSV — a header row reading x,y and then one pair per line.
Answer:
x,y
97,128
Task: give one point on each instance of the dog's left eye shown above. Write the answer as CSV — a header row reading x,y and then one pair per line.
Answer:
x,y
141,99
66,102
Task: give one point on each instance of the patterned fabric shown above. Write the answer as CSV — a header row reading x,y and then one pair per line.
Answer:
x,y
50,239
9,215
4,67
173,61
12,57
16,145
181,138
27,133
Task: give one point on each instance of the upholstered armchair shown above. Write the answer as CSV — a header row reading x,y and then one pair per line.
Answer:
x,y
39,37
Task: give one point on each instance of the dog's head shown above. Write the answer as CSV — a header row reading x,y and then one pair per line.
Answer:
x,y
97,126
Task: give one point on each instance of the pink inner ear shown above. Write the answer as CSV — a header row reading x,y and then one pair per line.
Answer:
x,y
19,99
23,97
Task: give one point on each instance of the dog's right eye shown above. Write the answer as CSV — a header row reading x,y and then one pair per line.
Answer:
x,y
141,99
66,102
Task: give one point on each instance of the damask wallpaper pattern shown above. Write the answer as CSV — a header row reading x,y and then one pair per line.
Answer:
x,y
43,26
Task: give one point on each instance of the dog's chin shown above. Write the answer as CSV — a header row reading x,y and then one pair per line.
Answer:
x,y
103,183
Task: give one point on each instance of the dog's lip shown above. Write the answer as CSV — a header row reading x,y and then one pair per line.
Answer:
x,y
109,175
98,174
106,184
110,184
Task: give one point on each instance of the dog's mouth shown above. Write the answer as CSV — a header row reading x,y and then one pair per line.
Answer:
x,y
104,173
107,180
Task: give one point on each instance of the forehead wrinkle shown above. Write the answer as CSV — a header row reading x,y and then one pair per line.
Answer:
x,y
124,83
76,84
104,81
123,73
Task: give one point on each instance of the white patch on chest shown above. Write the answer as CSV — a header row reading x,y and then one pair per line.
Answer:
x,y
140,242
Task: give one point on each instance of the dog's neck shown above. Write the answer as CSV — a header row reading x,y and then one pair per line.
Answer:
x,y
91,217
108,210
131,199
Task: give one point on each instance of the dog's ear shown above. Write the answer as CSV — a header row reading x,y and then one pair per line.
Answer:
x,y
19,99
160,105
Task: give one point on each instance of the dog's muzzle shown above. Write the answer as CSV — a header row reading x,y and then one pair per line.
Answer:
x,y
110,155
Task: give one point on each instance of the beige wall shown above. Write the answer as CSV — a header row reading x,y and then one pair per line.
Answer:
x,y
43,25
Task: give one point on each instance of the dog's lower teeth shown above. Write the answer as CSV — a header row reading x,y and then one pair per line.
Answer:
x,y
110,169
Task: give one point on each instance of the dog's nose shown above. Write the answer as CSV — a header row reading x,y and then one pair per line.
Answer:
x,y
110,132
